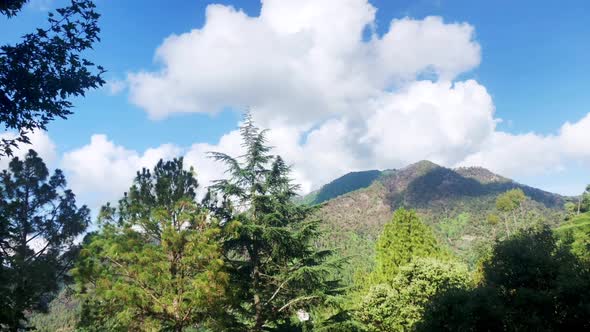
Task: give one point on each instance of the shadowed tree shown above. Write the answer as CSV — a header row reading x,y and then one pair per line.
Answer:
x,y
39,74
39,221
529,283
11,7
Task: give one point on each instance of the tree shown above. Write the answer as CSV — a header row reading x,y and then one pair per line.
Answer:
x,y
62,314
493,220
402,240
584,200
11,7
39,221
156,262
45,69
510,203
275,269
570,210
530,283
399,306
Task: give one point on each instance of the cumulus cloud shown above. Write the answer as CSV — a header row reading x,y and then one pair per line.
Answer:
x,y
336,95
40,142
297,61
336,98
341,100
575,138
442,122
518,155
414,46
533,154
102,171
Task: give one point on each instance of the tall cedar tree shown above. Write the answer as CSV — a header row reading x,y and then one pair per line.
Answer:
x,y
402,240
156,262
39,221
275,269
39,74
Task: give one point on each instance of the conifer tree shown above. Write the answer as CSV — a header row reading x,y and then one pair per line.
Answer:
x,y
156,262
39,221
276,271
403,239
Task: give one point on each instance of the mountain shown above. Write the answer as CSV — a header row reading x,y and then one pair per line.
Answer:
x,y
454,202
342,185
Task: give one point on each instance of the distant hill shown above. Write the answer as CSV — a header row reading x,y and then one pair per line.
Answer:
x,y
424,182
454,202
342,185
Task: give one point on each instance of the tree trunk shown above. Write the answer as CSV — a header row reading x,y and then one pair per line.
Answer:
x,y
258,319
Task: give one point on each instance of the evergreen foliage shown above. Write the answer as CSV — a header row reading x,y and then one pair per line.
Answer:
x,y
402,240
45,69
584,202
63,314
156,262
39,221
275,269
345,184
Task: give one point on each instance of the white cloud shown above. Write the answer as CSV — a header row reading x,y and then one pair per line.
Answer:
x,y
414,46
533,154
518,155
575,138
299,60
442,122
40,142
115,86
102,171
336,99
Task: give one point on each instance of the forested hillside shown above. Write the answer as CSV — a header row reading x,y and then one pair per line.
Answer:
x,y
456,203
342,185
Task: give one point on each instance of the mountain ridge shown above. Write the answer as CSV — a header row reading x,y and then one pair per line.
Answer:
x,y
455,203
356,180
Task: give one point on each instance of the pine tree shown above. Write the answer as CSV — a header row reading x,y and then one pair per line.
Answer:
x,y
156,262
403,239
39,221
275,269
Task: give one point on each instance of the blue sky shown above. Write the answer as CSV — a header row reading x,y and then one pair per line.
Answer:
x,y
533,64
